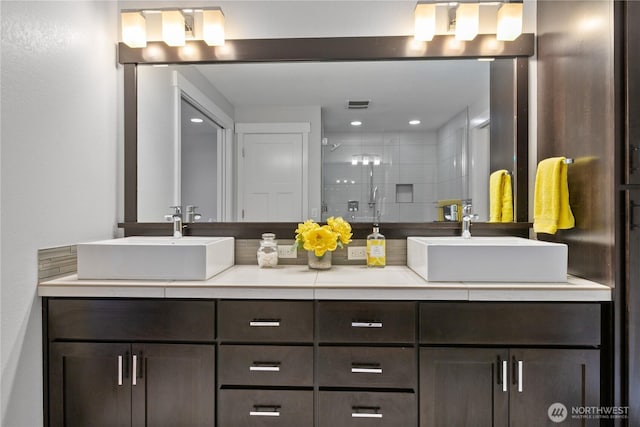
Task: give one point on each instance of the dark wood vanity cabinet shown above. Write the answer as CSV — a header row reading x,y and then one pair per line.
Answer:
x,y
494,383
148,377
367,364
265,364
249,363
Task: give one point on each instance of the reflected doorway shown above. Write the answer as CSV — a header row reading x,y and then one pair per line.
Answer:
x,y
200,162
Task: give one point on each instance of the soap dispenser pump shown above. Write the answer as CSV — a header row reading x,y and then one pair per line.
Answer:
x,y
376,251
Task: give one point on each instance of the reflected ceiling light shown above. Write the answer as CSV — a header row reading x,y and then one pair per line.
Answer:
x,y
425,22
134,30
173,33
196,120
356,123
486,59
467,21
213,27
414,122
509,21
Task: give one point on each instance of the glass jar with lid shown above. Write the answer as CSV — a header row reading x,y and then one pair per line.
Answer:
x,y
268,251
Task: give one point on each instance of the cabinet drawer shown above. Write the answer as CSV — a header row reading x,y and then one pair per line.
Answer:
x,y
348,322
510,323
130,320
367,367
266,321
257,408
339,409
265,365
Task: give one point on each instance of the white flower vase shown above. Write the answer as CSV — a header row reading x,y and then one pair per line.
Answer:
x,y
319,262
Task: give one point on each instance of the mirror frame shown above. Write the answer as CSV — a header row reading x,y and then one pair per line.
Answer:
x,y
386,48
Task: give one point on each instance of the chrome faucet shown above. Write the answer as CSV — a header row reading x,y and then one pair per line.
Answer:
x,y
191,215
467,217
176,218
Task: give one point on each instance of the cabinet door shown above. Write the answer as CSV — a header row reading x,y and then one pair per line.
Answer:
x,y
633,296
543,377
173,385
89,385
463,387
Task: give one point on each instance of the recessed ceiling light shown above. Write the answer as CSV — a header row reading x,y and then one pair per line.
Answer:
x,y
414,122
356,123
196,120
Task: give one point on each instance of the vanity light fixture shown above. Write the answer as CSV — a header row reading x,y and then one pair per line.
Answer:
x,y
425,21
134,30
174,27
463,19
509,21
213,27
467,21
173,30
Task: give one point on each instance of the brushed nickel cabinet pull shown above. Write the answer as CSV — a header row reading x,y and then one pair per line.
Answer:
x,y
119,370
366,324
365,412
134,376
265,367
358,368
520,380
261,323
505,372
265,411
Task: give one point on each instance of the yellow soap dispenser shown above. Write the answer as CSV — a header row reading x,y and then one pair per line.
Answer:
x,y
376,251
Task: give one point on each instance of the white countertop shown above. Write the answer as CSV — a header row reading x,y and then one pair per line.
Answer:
x,y
340,282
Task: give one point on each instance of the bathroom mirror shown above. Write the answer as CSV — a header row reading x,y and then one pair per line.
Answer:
x,y
385,169
246,94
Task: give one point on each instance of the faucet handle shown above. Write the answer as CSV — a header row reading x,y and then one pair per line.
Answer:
x,y
178,209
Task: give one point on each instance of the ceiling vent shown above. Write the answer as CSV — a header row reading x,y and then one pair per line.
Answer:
x,y
357,105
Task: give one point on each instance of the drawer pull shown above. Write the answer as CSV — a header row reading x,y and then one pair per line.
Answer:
x,y
366,324
265,411
366,369
265,367
365,412
265,323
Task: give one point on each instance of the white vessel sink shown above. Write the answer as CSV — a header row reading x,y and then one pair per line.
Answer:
x,y
487,259
155,258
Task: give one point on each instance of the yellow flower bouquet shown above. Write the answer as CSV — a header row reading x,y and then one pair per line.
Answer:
x,y
321,239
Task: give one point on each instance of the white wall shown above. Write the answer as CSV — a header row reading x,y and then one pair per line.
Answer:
x,y
59,153
157,144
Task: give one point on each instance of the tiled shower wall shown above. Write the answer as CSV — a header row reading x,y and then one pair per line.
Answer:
x,y
452,159
416,170
406,177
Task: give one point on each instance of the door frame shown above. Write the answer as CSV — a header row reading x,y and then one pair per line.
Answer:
x,y
242,129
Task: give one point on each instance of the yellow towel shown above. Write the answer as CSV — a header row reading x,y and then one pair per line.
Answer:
x,y
551,210
500,197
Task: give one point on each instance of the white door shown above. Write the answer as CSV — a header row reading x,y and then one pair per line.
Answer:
x,y
272,177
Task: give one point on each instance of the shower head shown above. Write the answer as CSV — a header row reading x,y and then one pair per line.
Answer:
x,y
334,147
